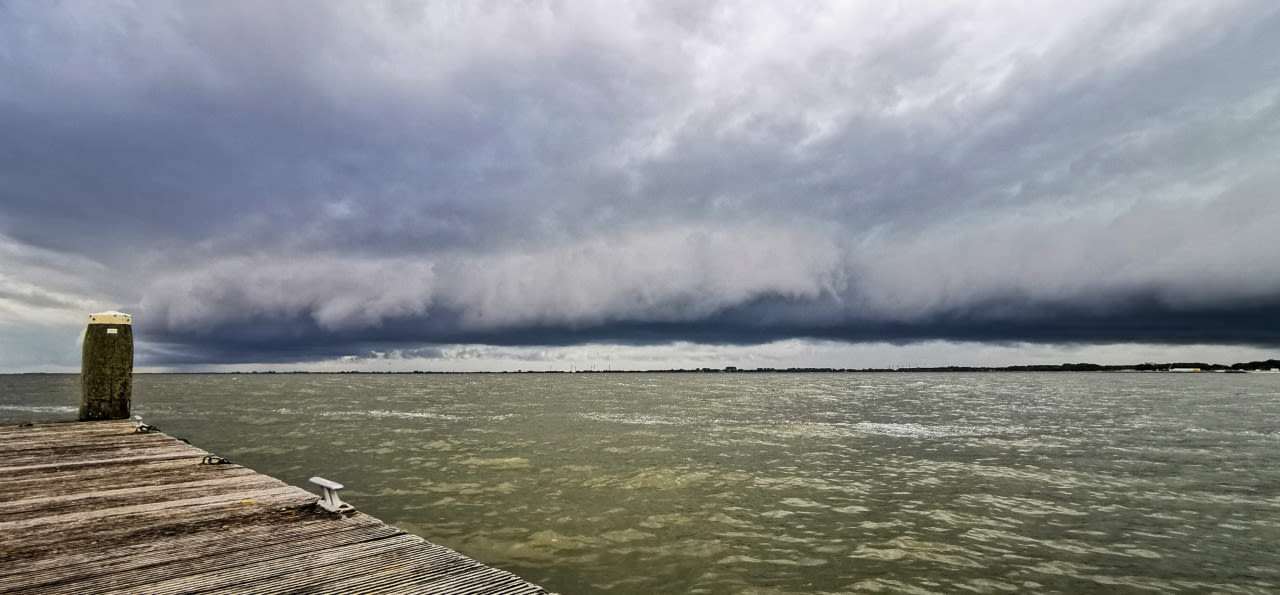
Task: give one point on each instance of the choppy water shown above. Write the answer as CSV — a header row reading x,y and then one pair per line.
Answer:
x,y
773,483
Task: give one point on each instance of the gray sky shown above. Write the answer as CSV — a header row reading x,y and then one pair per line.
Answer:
x,y
489,185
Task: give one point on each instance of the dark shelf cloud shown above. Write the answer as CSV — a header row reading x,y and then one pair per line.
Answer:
x,y
297,181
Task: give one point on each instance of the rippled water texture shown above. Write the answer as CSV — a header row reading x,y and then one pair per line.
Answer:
x,y
773,483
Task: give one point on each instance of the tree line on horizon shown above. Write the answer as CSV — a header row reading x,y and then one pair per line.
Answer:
x,y
1269,364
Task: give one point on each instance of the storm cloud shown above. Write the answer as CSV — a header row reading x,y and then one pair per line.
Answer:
x,y
297,180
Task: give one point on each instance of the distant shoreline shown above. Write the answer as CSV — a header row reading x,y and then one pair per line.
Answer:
x,y
1271,365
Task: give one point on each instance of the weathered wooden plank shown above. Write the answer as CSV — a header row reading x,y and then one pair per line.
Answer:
x,y
20,471
415,576
66,503
176,516
407,578
445,572
382,571
34,440
255,483
94,508
240,533
70,445
62,431
481,579
94,479
30,450
133,467
91,455
202,557
51,428
295,570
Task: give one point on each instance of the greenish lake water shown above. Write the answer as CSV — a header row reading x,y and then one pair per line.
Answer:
x,y
772,483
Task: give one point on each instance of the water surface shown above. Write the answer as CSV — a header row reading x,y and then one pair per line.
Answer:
x,y
772,483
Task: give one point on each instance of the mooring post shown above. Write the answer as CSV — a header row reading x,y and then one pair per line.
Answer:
x,y
106,367
330,500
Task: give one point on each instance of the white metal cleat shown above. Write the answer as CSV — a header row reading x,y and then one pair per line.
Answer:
x,y
330,500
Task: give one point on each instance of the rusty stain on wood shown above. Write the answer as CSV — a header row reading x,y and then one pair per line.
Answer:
x,y
92,507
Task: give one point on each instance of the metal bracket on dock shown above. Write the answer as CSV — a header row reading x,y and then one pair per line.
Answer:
x,y
330,500
141,428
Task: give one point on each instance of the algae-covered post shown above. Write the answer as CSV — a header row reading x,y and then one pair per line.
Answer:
x,y
106,367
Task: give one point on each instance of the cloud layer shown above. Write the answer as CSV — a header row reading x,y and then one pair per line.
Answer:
x,y
301,180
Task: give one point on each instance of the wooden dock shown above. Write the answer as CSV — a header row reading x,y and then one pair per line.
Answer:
x,y
93,507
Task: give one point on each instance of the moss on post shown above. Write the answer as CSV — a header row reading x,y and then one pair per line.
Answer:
x,y
106,367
